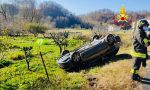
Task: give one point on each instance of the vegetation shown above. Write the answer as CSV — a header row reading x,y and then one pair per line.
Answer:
x,y
4,63
15,74
36,28
26,23
15,14
105,16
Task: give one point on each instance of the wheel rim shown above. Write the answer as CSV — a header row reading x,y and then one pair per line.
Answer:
x,y
76,57
110,38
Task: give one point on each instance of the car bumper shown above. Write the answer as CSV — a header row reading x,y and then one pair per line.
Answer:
x,y
65,63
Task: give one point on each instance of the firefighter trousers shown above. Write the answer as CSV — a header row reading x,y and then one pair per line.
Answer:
x,y
137,64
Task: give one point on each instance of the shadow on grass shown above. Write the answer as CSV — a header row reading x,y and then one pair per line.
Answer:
x,y
101,62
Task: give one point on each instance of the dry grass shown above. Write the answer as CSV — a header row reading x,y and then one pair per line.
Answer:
x,y
126,36
83,31
115,75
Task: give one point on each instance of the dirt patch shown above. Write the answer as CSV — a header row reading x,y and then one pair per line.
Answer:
x,y
92,81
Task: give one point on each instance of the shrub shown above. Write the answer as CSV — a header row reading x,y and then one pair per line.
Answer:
x,y
4,63
36,28
83,38
4,45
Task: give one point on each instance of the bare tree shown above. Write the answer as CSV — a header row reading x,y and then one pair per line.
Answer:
x,y
3,11
60,39
27,51
29,11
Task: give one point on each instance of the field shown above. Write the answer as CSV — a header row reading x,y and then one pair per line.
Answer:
x,y
113,75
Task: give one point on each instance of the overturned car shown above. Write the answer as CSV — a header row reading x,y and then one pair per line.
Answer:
x,y
101,48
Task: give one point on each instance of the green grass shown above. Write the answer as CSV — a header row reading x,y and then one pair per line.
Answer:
x,y
16,76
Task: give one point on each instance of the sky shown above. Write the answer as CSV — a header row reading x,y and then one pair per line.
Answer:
x,y
80,7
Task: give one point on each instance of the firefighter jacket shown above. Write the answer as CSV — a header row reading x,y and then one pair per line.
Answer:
x,y
139,44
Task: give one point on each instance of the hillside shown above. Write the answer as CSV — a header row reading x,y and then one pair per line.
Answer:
x,y
106,16
32,11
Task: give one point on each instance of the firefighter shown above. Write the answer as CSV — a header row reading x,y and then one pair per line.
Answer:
x,y
139,50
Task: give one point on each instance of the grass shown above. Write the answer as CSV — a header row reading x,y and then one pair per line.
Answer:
x,y
114,75
16,76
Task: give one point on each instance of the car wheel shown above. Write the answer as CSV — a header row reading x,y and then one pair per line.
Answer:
x,y
96,37
110,39
76,57
64,52
118,39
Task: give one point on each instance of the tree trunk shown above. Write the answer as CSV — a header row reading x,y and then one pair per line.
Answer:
x,y
28,63
60,48
44,66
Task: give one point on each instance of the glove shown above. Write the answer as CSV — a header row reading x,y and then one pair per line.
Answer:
x,y
144,64
148,44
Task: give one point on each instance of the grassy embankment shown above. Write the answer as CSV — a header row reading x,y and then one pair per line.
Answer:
x,y
114,75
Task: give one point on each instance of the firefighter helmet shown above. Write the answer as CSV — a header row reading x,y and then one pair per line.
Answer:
x,y
143,23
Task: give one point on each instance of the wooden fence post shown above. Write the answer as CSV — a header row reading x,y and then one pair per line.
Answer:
x,y
44,65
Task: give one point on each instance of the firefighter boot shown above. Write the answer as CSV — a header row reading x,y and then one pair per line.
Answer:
x,y
136,77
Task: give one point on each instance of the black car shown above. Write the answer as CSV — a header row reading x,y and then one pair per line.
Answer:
x,y
101,47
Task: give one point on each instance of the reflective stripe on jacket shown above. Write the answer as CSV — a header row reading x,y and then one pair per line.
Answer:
x,y
138,54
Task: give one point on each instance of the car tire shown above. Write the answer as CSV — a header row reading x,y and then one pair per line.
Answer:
x,y
64,52
76,58
110,39
118,39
